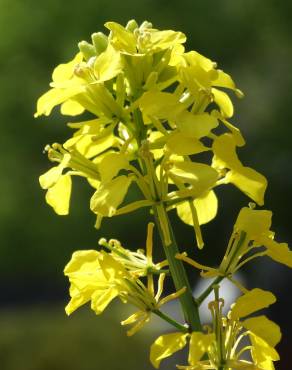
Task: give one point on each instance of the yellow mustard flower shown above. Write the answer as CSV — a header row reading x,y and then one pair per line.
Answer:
x,y
88,282
145,91
249,181
222,344
251,238
138,263
99,277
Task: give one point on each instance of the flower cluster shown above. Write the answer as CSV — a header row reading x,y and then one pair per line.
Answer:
x,y
229,339
101,276
157,118
154,108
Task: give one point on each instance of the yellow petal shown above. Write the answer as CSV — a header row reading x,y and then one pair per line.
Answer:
x,y
165,346
160,105
199,344
254,222
223,101
111,164
279,252
77,299
250,182
237,135
71,108
65,71
107,65
109,196
262,353
111,268
102,298
181,145
224,80
54,97
50,178
160,40
85,276
224,147
206,207
120,38
195,125
91,145
256,299
201,176
85,259
242,365
264,328
194,58
58,196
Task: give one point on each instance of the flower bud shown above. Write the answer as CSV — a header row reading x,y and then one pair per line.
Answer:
x,y
99,41
132,25
86,49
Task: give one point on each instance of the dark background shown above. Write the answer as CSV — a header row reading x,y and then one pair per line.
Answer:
x,y
251,40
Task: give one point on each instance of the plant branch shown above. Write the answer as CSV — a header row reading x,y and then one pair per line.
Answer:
x,y
171,321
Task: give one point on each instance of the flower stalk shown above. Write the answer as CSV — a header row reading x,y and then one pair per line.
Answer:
x,y
179,276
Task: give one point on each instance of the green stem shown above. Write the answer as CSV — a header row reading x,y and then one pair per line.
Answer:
x,y
179,276
207,291
171,321
176,267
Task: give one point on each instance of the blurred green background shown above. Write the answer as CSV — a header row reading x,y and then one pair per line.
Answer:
x,y
251,40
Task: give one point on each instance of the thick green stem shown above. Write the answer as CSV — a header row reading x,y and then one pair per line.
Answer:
x,y
176,267
179,276
171,321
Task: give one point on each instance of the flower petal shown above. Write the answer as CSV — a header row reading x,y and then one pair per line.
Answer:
x,y
279,252
206,207
65,71
199,345
262,353
165,346
100,299
160,105
201,176
224,103
252,301
111,164
109,196
254,222
180,144
54,97
58,196
195,125
264,328
107,65
71,108
250,182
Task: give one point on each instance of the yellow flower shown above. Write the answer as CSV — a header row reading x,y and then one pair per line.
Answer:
x,y
138,263
202,79
166,345
250,239
65,88
58,187
251,233
223,343
249,181
145,91
88,282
